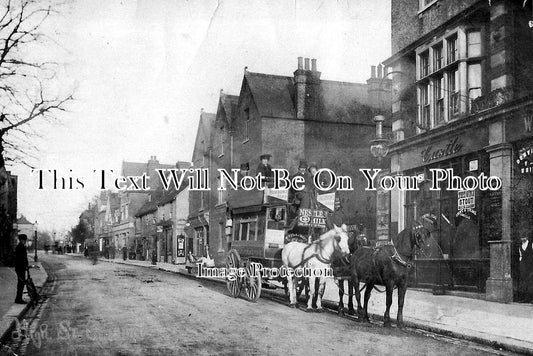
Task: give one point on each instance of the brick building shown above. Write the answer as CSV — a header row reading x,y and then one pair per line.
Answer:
x,y
293,118
462,79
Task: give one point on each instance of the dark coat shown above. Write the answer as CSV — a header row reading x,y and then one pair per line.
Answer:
x,y
21,258
526,272
265,171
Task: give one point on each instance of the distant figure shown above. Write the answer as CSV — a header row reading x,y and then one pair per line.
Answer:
x,y
298,196
264,168
525,287
124,253
309,193
86,252
21,264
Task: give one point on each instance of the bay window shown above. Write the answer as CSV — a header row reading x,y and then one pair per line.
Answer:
x,y
449,76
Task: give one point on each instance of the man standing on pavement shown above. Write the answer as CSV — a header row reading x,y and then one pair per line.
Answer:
x,y
21,264
525,286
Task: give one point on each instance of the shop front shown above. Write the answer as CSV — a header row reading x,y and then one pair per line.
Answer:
x,y
457,256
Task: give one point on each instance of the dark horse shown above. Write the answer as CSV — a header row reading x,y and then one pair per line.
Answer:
x,y
342,272
387,265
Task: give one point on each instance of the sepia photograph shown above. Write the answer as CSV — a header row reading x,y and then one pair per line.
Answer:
x,y
266,177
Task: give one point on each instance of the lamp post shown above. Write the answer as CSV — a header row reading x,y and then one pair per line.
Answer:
x,y
379,147
35,241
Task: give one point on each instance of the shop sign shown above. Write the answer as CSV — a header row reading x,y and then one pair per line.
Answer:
x,y
525,159
430,153
181,246
466,202
281,194
312,218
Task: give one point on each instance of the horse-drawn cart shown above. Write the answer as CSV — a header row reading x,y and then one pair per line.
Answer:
x,y
262,222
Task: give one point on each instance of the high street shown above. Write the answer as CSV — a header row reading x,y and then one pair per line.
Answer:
x,y
114,309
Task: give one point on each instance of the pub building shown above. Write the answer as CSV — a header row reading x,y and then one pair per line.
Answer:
x,y
462,100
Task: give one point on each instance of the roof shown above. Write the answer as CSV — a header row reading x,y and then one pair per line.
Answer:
x,y
228,101
147,208
205,126
272,94
274,97
23,221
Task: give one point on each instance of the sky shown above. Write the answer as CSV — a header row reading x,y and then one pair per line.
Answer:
x,y
143,70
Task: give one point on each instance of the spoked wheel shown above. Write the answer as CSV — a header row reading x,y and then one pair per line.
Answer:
x,y
233,283
252,283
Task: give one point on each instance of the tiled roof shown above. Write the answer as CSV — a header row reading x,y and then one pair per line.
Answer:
x,y
228,101
272,94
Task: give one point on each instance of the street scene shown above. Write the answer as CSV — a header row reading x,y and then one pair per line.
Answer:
x,y
188,319
266,177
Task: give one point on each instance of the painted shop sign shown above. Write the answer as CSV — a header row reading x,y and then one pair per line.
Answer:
x,y
312,218
466,202
525,159
430,153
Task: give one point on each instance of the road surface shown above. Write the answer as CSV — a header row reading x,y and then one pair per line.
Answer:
x,y
114,309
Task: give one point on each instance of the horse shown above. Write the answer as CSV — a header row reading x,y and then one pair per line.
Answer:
x,y
387,265
316,255
341,272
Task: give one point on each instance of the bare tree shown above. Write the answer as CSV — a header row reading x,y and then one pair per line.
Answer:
x,y
28,85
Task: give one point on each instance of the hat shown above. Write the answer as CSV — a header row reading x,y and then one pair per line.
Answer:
x,y
245,167
23,237
265,156
312,164
303,164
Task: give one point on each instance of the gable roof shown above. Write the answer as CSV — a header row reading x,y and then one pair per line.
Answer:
x,y
228,103
205,126
272,94
23,221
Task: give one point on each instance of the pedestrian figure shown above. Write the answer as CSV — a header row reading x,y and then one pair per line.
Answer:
x,y
21,265
298,196
86,252
525,287
124,253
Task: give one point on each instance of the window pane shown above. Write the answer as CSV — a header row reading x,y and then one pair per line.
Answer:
x,y
454,94
439,100
424,64
244,231
474,80
252,226
452,49
474,43
437,57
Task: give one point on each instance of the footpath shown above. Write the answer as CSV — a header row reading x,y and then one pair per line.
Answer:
x,y
505,326
9,311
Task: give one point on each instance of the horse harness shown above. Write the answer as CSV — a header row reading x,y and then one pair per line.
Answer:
x,y
395,257
316,255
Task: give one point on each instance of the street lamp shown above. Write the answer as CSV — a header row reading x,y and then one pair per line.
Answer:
x,y
35,241
379,147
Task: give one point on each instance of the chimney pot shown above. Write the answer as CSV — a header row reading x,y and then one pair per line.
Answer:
x,y
306,64
372,71
300,63
380,71
313,64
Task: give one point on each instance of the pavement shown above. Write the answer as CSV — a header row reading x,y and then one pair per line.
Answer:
x,y
9,311
504,326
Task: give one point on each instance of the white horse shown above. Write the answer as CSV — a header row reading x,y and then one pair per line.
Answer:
x,y
317,255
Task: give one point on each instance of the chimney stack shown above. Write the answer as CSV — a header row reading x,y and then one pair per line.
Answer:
x,y
372,72
313,64
306,64
300,63
380,71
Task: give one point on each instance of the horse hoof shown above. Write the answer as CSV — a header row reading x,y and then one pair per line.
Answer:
x,y
351,312
365,320
340,312
292,305
320,310
401,326
387,324
309,310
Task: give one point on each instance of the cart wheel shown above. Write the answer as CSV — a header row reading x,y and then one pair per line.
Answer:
x,y
252,284
233,261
